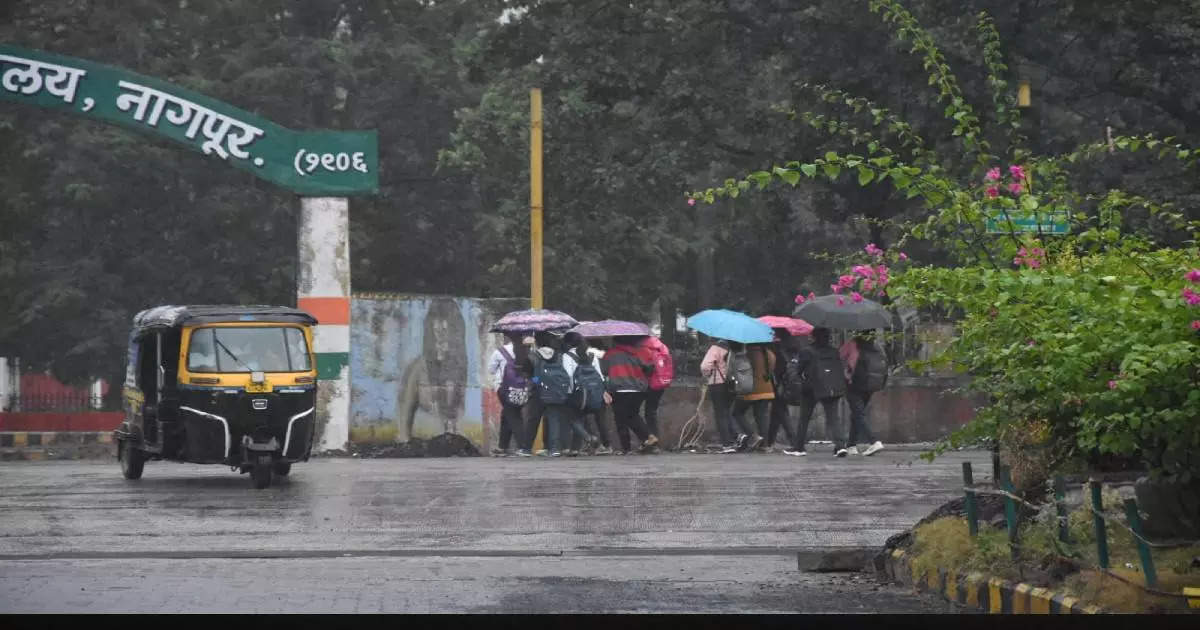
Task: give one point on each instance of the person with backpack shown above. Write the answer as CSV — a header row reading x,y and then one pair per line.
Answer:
x,y
780,414
593,351
553,381
627,368
713,368
753,372
660,380
866,373
587,394
824,381
513,390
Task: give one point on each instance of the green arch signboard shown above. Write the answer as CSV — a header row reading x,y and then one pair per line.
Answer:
x,y
310,163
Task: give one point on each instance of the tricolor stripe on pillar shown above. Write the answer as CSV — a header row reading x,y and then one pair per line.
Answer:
x,y
323,289
331,340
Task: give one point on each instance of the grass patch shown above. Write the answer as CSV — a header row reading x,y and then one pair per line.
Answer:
x,y
1043,560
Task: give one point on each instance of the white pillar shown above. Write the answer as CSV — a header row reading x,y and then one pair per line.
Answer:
x,y
4,384
323,289
97,393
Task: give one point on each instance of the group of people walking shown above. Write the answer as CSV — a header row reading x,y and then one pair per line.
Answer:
x,y
767,379
566,384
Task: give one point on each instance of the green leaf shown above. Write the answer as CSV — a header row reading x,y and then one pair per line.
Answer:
x,y
809,169
832,170
791,177
865,176
831,156
1029,203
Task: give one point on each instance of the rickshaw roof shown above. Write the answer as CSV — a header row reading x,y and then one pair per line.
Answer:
x,y
165,317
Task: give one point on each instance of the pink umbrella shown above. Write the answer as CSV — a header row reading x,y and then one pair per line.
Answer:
x,y
794,327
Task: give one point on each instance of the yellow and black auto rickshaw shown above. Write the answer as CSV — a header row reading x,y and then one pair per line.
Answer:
x,y
233,385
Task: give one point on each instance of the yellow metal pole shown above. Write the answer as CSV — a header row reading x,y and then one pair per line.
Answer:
x,y
535,197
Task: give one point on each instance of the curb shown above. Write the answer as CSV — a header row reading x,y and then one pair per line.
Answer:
x,y
48,445
991,595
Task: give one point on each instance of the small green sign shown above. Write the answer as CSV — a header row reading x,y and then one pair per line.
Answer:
x,y
1039,222
312,163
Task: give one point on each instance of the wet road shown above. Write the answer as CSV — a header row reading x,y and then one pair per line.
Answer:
x,y
675,533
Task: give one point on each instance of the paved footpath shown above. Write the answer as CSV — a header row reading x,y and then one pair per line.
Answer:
x,y
671,533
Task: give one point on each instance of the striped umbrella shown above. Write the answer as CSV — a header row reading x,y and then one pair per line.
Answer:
x,y
533,320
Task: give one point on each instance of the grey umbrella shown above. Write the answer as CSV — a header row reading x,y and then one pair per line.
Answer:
x,y
825,312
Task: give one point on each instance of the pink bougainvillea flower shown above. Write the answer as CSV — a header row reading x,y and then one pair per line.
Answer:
x,y
1031,343
856,296
904,256
1196,324
1194,276
1191,296
1021,252
837,288
868,285
1034,263
1017,260
1016,188
1112,384
1037,252
846,280
691,201
882,269
841,301
993,174
864,270
993,192
812,296
799,299
1016,171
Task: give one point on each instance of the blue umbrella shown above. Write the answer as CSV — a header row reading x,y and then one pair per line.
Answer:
x,y
731,325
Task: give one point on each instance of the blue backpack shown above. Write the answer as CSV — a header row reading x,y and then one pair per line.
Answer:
x,y
589,387
553,382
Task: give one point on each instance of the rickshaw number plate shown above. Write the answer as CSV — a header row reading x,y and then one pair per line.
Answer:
x,y
258,387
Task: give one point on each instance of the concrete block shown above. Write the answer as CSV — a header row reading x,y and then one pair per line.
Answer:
x,y
835,560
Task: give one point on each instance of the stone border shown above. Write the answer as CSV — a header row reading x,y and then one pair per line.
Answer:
x,y
43,445
989,594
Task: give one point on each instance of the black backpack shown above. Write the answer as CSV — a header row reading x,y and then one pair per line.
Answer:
x,y
826,375
793,380
589,387
870,372
741,373
553,382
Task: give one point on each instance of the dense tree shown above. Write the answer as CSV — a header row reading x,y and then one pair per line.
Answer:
x,y
643,101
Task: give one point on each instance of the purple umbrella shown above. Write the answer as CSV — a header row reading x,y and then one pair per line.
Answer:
x,y
533,320
612,328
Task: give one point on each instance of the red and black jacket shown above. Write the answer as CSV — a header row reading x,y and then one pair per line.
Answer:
x,y
627,368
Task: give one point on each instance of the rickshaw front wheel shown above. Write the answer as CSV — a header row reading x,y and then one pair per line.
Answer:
x,y
261,473
132,460
283,468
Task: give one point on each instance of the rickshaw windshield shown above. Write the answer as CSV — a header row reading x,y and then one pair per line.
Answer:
x,y
250,349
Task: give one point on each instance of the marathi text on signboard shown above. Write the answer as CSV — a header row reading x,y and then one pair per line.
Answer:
x,y
325,163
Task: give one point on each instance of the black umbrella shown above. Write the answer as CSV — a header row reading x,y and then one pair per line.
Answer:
x,y
827,312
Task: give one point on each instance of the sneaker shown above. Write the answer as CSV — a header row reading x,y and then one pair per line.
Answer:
x,y
542,453
853,450
603,450
755,442
648,445
841,452
572,453
728,448
874,448
555,453
794,453
523,453
741,441
499,452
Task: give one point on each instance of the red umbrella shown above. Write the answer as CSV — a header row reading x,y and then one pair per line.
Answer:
x,y
794,327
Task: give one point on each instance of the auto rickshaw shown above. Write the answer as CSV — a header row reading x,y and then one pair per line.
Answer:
x,y
233,385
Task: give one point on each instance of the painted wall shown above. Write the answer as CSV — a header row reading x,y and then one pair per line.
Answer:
x,y
418,367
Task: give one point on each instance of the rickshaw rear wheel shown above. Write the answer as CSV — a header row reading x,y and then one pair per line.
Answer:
x,y
132,460
261,473
283,468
